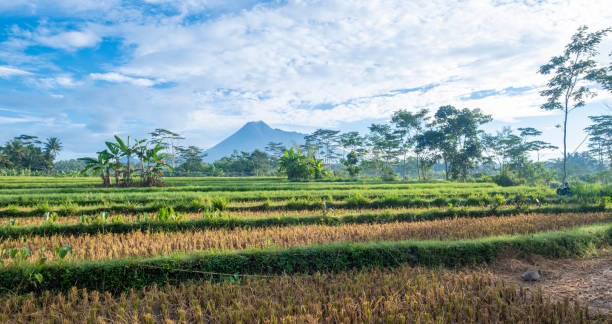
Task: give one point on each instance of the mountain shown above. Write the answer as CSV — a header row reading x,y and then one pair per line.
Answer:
x,y
253,135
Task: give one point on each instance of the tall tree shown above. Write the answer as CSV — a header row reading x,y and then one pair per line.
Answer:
x,y
409,125
325,142
455,134
53,146
601,137
604,76
352,143
385,143
568,88
167,139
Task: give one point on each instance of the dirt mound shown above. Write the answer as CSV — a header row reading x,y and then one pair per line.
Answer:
x,y
589,281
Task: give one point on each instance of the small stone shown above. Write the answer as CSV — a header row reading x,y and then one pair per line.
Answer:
x,y
531,275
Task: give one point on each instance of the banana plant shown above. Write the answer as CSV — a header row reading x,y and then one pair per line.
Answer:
x,y
115,153
141,148
127,150
155,164
99,166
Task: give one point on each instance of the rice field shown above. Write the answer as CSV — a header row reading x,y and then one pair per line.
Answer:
x,y
227,250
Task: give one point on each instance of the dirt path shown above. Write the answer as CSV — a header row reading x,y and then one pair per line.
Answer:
x,y
587,280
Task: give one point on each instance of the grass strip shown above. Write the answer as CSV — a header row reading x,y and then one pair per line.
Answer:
x,y
231,222
122,274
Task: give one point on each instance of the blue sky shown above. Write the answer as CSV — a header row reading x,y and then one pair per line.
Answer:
x,y
84,70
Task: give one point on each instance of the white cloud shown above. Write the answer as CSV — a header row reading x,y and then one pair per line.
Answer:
x,y
69,40
278,63
337,52
7,71
120,78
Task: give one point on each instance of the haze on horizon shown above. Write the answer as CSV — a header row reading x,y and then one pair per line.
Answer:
x,y
82,70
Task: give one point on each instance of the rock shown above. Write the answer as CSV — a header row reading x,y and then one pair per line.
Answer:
x,y
531,275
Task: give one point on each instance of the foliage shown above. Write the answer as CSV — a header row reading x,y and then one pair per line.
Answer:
x,y
568,89
298,166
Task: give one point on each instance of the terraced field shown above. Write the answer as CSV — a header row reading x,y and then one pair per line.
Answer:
x,y
267,250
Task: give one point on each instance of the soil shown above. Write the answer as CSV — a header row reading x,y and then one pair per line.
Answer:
x,y
588,280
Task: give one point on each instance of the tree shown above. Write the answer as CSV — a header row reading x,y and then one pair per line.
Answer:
x,y
167,139
53,146
25,152
568,89
190,159
604,76
276,149
352,164
409,125
298,166
454,135
353,143
600,141
324,142
385,144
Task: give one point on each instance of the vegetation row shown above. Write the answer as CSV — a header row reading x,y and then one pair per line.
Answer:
x,y
120,275
401,295
169,221
147,244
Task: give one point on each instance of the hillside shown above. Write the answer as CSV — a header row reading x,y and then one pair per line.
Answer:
x,y
253,135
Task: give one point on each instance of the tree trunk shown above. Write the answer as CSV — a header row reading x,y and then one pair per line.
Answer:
x,y
117,172
565,143
445,169
418,168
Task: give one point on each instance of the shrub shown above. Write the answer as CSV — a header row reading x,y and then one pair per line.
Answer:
x,y
219,203
497,201
506,179
68,208
43,208
12,209
440,202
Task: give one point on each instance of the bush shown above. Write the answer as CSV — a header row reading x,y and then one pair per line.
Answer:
x,y
219,203
507,179
440,202
68,208
43,208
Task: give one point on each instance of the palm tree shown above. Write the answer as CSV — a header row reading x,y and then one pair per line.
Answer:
x,y
99,166
16,153
53,146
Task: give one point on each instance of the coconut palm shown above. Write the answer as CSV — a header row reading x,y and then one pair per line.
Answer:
x,y
53,146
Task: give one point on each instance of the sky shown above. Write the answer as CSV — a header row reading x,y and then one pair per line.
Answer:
x,y
83,70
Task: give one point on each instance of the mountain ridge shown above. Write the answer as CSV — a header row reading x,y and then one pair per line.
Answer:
x,y
251,136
